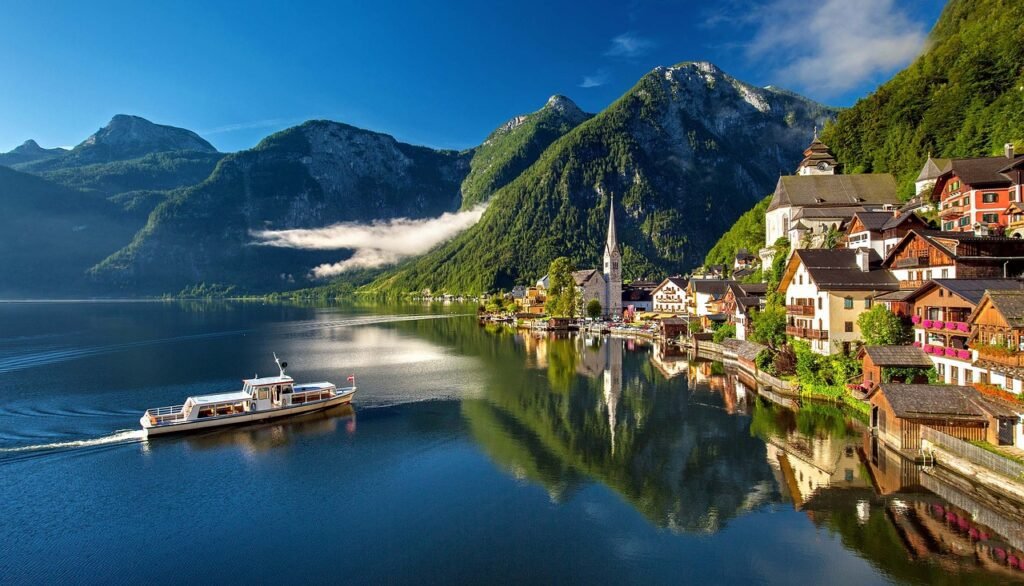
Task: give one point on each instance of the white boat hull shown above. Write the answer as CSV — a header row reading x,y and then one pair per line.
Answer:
x,y
342,397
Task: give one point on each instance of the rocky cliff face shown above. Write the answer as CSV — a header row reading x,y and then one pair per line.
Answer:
x,y
684,153
313,175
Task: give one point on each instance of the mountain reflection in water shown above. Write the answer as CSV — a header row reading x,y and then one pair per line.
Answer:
x,y
690,446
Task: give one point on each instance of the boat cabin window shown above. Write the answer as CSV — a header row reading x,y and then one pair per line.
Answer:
x,y
219,409
287,388
263,393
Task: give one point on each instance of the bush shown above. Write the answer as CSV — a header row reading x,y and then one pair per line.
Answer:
x,y
724,332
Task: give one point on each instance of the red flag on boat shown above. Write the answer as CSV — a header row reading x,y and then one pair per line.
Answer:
x,y
352,378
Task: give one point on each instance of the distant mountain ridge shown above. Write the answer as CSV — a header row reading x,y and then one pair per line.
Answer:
x,y
29,152
684,153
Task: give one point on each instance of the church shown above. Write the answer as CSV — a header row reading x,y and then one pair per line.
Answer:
x,y
605,285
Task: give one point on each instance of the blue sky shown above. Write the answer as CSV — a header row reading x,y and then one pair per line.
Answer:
x,y
442,74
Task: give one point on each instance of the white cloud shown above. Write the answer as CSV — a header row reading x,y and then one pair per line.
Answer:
x,y
834,45
375,245
598,79
629,44
250,125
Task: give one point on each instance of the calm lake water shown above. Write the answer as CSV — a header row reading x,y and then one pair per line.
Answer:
x,y
471,455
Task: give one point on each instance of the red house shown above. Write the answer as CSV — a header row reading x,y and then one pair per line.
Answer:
x,y
978,191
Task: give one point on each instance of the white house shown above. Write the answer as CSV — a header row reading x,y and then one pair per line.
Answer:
x,y
670,296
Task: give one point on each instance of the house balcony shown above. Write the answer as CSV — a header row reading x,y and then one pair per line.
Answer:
x,y
952,212
945,351
960,327
807,333
908,284
804,310
912,262
999,355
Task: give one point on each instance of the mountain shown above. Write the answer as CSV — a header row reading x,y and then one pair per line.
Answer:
x,y
125,137
313,175
52,235
683,154
515,145
962,97
29,152
747,233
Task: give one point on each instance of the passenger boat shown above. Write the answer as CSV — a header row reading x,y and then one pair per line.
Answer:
x,y
260,399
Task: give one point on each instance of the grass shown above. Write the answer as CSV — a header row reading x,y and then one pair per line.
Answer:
x,y
990,448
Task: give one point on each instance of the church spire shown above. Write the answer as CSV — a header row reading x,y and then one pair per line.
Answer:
x,y
612,242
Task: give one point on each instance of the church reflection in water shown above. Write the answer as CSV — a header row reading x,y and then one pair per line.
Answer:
x,y
691,445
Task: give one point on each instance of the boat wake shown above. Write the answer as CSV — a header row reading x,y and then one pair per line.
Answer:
x,y
118,437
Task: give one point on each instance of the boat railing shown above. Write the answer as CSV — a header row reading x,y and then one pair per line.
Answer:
x,y
160,415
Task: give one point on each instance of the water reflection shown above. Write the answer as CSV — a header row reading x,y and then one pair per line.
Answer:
x,y
691,445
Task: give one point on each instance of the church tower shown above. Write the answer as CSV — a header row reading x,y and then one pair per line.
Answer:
x,y
818,159
612,268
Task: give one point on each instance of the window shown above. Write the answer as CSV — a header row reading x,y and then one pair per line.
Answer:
x,y
848,327
965,220
942,291
800,279
948,226
928,274
989,197
819,302
867,303
945,273
848,303
990,218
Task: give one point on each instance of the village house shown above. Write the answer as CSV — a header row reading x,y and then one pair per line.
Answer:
x,y
705,296
881,230
670,296
931,171
740,301
941,320
533,300
826,290
744,260
898,411
978,191
882,364
806,206
638,296
923,255
997,337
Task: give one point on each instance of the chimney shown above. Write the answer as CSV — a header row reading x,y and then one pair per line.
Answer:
x,y
863,259
1008,150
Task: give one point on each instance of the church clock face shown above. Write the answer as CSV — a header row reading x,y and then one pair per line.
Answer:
x,y
823,166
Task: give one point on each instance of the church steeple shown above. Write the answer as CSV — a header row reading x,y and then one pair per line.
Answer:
x,y
612,267
818,159
613,242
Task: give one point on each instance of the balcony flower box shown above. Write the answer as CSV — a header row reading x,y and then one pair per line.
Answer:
x,y
963,354
917,344
938,324
927,323
927,348
915,319
950,352
964,326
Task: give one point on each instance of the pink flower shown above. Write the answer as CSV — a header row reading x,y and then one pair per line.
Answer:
x,y
950,352
928,348
916,319
963,354
964,327
917,344
937,324
927,323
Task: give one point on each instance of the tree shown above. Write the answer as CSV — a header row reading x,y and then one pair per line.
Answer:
x,y
594,309
769,325
723,332
563,297
881,327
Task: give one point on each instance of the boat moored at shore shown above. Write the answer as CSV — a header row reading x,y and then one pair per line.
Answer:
x,y
258,400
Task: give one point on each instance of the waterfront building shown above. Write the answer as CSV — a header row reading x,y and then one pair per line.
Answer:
x,y
741,300
978,191
826,290
705,297
897,363
941,320
898,411
997,334
923,255
670,296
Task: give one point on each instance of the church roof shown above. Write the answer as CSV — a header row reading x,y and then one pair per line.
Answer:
x,y
834,190
613,242
817,152
583,276
933,168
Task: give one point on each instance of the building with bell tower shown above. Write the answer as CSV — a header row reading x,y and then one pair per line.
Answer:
x,y
818,159
612,268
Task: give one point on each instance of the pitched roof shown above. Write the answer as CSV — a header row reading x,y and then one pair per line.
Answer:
x,y
834,190
873,221
964,245
743,348
836,269
713,287
902,356
981,170
583,276
970,290
910,401
932,169
677,281
1011,305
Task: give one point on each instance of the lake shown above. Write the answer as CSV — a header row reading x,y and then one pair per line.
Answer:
x,y
471,454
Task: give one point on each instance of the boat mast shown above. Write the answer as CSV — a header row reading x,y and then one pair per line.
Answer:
x,y
280,365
